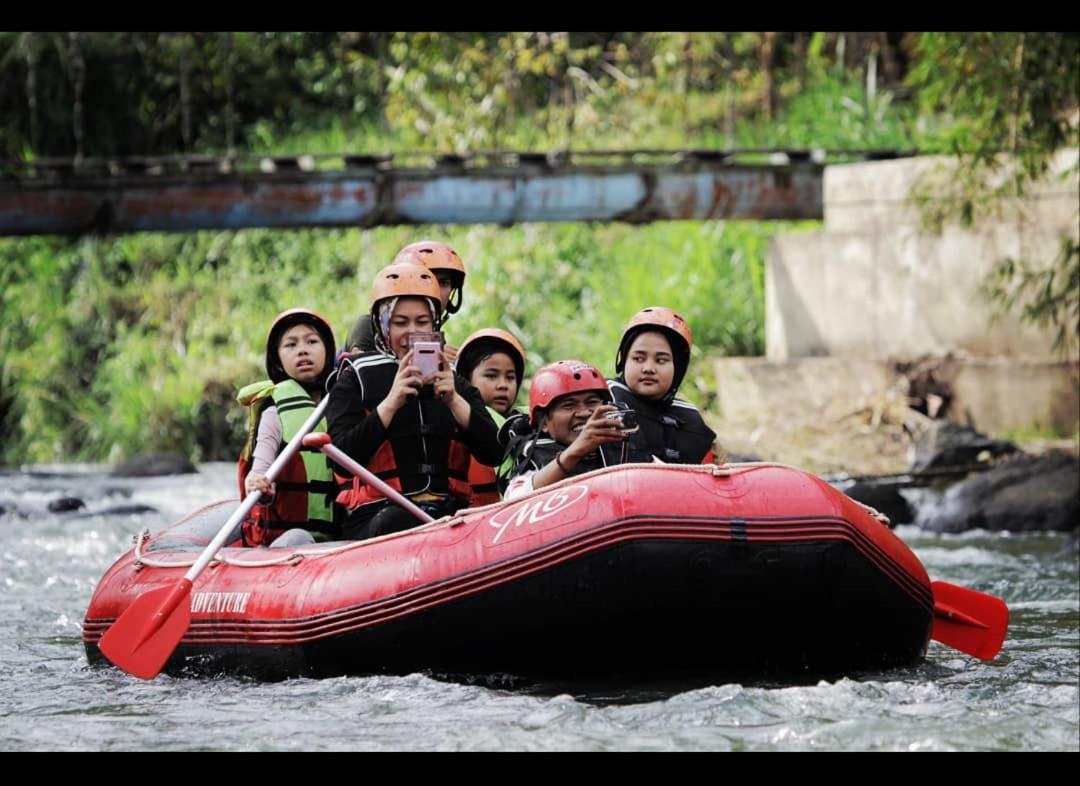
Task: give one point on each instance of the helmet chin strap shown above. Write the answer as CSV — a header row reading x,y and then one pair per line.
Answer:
x,y
381,325
453,303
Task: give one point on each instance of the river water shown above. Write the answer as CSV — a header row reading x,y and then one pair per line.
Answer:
x,y
51,699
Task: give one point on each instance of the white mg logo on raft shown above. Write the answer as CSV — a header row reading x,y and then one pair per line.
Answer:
x,y
537,510
218,602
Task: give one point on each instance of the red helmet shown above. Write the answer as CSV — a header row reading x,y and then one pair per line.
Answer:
x,y
561,378
437,256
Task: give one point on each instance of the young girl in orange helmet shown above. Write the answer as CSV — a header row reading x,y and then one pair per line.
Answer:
x,y
651,362
299,509
493,361
418,434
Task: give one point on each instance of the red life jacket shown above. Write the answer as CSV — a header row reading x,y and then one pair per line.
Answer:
x,y
482,480
289,508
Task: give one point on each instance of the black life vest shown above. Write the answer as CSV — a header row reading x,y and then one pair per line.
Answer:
x,y
675,433
423,450
536,451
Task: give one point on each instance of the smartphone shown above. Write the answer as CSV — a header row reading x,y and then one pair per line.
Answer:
x,y
426,349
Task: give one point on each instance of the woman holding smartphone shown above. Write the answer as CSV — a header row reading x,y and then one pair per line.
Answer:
x,y
449,271
415,425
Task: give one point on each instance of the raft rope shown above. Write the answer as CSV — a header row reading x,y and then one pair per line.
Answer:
x,y
291,557
288,557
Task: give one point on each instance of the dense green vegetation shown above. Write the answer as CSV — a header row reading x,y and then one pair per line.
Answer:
x,y
140,93
113,345
116,345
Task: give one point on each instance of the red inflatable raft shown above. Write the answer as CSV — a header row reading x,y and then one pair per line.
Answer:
x,y
637,570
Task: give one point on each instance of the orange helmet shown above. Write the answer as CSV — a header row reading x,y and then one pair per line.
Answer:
x,y
402,280
287,319
490,340
663,320
405,280
562,378
438,256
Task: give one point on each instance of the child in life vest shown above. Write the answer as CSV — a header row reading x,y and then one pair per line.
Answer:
x,y
298,506
493,361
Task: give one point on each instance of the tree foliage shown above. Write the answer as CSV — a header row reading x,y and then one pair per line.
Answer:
x,y
109,345
1014,93
143,93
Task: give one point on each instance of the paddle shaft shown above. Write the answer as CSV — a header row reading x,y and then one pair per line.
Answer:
x,y
369,477
251,499
953,614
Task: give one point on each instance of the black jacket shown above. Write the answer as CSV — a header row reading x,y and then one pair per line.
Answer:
x,y
535,450
675,434
421,434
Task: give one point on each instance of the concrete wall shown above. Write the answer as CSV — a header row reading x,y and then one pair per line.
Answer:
x,y
872,197
823,414
873,283
842,305
833,413
1002,394
994,394
754,391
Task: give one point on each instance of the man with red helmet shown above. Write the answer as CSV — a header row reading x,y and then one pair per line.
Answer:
x,y
571,434
651,362
416,432
448,269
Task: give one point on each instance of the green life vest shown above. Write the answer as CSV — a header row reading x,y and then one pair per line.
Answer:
x,y
294,406
508,464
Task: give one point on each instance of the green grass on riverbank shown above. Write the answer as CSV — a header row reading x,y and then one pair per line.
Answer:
x,y
111,346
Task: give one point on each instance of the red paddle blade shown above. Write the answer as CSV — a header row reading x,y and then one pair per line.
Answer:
x,y
145,635
969,621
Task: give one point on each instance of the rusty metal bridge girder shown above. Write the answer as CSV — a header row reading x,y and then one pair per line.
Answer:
x,y
367,193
